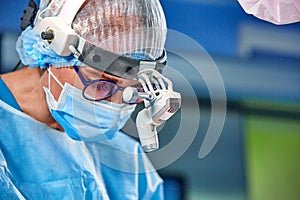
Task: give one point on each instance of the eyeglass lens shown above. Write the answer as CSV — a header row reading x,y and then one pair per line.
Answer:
x,y
100,89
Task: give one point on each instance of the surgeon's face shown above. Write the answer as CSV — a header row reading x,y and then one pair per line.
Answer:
x,y
97,85
91,75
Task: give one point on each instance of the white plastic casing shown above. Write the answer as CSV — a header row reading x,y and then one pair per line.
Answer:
x,y
163,108
63,35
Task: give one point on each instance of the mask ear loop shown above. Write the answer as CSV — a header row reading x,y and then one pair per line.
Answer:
x,y
50,74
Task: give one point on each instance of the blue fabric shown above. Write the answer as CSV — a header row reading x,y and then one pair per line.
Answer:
x,y
37,162
87,120
7,96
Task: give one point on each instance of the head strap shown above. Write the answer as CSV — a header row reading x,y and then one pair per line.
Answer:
x,y
29,15
116,64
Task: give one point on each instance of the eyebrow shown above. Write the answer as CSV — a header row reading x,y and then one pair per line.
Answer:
x,y
104,76
92,71
101,75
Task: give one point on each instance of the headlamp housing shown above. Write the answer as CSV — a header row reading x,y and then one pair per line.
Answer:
x,y
63,40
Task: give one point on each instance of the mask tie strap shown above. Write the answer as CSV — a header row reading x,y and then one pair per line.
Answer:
x,y
50,74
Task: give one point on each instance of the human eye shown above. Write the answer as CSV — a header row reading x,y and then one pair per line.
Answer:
x,y
103,86
100,86
99,89
106,85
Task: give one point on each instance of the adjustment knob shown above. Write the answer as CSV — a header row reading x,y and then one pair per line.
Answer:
x,y
47,35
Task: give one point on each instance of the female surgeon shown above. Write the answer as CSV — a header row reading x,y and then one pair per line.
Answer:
x,y
61,115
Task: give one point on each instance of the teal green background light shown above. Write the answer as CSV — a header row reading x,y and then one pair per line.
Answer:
x,y
272,158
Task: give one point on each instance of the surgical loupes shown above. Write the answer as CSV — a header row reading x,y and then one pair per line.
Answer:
x,y
160,102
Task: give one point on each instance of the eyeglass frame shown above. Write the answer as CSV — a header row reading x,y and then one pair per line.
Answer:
x,y
87,83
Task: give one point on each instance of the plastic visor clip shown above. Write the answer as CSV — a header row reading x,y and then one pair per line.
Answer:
x,y
29,15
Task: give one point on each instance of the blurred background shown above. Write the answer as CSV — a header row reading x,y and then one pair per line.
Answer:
x,y
257,155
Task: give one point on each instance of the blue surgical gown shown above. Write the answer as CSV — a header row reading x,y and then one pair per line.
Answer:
x,y
38,162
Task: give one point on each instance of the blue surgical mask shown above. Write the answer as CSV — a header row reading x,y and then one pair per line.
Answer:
x,y
87,120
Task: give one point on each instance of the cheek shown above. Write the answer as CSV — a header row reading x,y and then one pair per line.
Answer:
x,y
116,98
77,83
74,80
